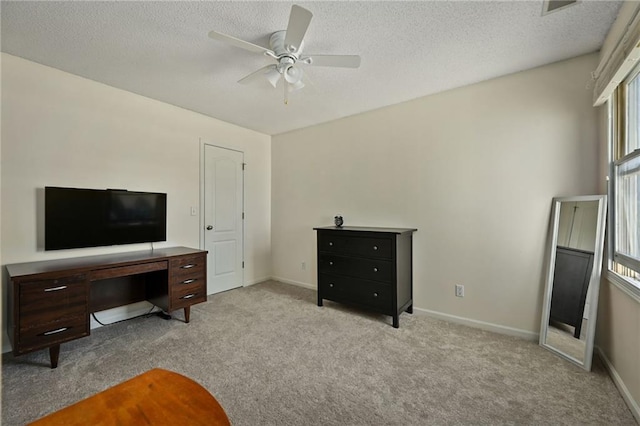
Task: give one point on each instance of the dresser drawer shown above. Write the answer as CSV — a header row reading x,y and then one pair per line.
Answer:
x,y
44,335
47,301
353,290
368,269
357,246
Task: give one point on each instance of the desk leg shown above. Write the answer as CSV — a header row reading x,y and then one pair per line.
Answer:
x,y
54,353
187,312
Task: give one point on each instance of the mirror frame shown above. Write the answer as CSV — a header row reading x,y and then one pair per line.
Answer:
x,y
594,280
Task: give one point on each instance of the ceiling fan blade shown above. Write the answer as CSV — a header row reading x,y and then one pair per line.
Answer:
x,y
261,73
344,61
299,20
238,43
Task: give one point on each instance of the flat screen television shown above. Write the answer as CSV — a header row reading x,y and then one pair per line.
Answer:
x,y
77,218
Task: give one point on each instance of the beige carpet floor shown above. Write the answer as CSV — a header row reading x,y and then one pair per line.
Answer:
x,y
272,357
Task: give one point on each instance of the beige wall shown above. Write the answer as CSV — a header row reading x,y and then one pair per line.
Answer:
x,y
618,337
62,130
474,169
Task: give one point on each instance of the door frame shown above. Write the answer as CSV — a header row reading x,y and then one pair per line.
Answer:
x,y
203,144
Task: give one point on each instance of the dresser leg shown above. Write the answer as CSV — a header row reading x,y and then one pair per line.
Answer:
x,y
187,313
319,301
396,321
410,309
54,354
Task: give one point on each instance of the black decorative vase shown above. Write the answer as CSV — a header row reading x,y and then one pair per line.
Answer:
x,y
338,221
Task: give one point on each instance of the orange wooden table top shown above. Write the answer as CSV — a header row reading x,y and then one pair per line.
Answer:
x,y
157,397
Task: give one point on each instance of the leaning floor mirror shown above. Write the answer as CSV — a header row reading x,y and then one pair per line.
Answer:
x,y
573,278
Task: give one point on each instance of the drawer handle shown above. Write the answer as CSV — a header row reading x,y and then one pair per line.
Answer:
x,y
330,243
60,330
375,269
330,284
189,281
62,287
189,266
375,294
330,263
375,247
188,296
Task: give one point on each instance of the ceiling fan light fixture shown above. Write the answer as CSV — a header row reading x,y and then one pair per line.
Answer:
x,y
273,76
292,74
296,86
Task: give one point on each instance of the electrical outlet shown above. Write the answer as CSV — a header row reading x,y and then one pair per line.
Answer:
x,y
304,266
459,290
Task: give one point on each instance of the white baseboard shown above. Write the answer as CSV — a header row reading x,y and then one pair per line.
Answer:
x,y
617,380
121,313
496,328
256,281
298,283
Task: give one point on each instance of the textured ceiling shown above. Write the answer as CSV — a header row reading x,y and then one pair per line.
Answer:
x,y
409,49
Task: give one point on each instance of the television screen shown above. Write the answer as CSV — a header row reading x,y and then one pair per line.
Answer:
x,y
76,218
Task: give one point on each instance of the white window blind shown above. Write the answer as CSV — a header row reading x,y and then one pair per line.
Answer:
x,y
627,241
621,54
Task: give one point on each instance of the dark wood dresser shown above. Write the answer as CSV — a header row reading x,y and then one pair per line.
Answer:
x,y
571,278
366,267
49,302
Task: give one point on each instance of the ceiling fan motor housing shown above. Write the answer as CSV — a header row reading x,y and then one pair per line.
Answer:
x,y
287,56
276,42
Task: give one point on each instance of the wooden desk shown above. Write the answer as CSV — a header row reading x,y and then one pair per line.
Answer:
x,y
157,397
50,302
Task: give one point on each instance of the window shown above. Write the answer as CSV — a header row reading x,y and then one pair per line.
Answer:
x,y
625,187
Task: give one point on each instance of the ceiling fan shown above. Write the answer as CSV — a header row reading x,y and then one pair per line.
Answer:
x,y
286,49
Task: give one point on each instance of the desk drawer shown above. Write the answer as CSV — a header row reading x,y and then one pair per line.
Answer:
x,y
188,281
368,269
365,293
187,296
47,301
126,271
184,263
44,335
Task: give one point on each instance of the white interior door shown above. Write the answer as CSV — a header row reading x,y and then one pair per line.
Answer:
x,y
223,211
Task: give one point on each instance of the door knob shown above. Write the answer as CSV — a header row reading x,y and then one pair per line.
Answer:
x,y
209,227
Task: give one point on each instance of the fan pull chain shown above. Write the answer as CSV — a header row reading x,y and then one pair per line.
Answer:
x,y
286,91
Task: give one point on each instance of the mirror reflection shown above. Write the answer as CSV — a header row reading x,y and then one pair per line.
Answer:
x,y
569,316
